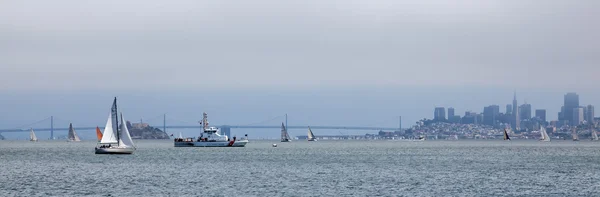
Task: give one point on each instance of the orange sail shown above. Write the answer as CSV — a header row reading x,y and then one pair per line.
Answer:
x,y
98,133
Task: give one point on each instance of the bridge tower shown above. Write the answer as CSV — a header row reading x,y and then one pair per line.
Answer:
x,y
400,123
51,127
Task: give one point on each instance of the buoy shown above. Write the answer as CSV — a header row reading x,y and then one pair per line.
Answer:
x,y
274,145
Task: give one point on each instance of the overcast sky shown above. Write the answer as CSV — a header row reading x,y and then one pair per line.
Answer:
x,y
198,45
116,44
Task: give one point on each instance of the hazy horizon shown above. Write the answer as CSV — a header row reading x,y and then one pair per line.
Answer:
x,y
334,106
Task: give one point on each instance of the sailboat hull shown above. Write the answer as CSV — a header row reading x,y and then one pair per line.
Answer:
x,y
115,150
286,140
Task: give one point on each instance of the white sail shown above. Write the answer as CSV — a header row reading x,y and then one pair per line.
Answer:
x,y
124,138
109,137
594,135
72,135
32,136
180,136
545,136
311,136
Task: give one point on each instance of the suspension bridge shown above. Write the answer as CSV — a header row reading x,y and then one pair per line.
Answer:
x,y
226,129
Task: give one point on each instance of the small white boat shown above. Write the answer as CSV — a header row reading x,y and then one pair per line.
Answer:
x,y
274,145
32,136
285,137
311,136
72,135
115,139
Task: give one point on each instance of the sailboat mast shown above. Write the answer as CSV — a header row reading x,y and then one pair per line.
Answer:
x,y
117,122
286,125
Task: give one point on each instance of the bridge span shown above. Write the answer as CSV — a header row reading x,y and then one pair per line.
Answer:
x,y
225,127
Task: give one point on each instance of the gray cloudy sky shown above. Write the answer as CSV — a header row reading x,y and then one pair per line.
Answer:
x,y
331,62
271,43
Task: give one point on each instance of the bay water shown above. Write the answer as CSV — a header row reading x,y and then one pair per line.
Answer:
x,y
300,168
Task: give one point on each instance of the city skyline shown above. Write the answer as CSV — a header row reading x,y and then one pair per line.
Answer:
x,y
229,107
515,114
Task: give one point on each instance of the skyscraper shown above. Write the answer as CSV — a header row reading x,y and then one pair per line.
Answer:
x,y
439,114
541,114
570,103
589,114
577,116
516,122
490,114
525,111
450,113
508,109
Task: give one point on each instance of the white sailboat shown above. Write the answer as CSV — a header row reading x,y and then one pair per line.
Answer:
x,y
32,136
545,137
285,137
311,136
180,135
115,139
574,134
72,135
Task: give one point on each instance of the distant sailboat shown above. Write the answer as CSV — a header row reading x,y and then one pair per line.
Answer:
x,y
285,137
115,134
545,137
594,134
32,136
574,133
506,137
72,135
98,133
180,135
311,136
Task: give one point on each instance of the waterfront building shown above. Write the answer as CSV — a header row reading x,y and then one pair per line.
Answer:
x,y
571,101
525,112
450,113
589,114
490,114
541,114
578,116
439,114
508,109
454,119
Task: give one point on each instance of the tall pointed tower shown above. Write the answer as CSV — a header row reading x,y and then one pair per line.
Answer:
x,y
516,121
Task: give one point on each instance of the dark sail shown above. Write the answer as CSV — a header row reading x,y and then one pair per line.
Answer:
x,y
506,135
114,112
